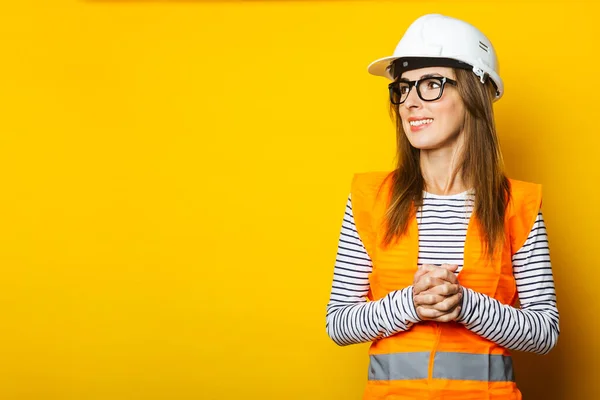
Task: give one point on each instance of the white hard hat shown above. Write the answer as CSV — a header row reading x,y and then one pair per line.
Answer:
x,y
438,40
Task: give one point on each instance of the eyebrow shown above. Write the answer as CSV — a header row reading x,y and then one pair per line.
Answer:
x,y
436,75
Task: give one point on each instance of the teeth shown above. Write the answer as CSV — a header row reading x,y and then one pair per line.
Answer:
x,y
421,122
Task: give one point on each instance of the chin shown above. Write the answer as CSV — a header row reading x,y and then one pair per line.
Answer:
x,y
425,145
429,140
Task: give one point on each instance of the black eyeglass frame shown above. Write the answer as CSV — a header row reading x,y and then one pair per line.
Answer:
x,y
442,79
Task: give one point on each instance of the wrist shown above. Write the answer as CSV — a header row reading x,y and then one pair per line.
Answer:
x,y
412,304
462,315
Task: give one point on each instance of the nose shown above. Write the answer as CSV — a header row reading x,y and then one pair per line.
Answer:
x,y
413,100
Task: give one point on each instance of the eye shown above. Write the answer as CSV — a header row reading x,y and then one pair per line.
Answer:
x,y
403,88
433,84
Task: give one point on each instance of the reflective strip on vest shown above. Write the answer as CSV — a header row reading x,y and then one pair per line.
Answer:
x,y
399,366
455,366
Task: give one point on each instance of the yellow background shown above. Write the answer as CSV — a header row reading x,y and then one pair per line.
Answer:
x,y
174,176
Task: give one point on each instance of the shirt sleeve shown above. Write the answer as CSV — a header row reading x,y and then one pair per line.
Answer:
x,y
534,327
350,318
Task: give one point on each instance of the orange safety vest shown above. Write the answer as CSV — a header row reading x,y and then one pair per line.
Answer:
x,y
440,360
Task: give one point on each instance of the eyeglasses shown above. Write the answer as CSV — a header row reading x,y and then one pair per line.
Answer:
x,y
428,89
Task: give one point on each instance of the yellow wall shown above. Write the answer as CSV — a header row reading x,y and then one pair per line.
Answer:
x,y
174,176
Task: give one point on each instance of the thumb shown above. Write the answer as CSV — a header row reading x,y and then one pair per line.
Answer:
x,y
422,270
450,267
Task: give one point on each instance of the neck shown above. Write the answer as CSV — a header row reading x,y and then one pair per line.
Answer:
x,y
440,171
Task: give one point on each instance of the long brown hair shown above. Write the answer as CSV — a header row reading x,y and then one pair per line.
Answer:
x,y
481,164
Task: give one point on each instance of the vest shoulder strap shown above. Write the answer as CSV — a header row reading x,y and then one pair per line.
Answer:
x,y
364,190
524,206
522,211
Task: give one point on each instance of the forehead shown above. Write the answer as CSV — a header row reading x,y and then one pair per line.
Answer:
x,y
418,73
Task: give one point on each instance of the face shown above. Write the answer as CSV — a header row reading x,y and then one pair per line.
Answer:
x,y
432,125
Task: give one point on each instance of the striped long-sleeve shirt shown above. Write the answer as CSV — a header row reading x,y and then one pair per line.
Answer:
x,y
442,222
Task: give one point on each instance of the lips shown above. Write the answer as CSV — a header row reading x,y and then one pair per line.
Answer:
x,y
419,123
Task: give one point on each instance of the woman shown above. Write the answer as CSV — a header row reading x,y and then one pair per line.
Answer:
x,y
434,255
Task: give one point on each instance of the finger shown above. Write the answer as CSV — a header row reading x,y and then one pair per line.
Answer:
x,y
422,270
450,267
451,316
448,304
419,274
427,299
445,289
439,303
444,274
447,275
427,313
425,283
430,313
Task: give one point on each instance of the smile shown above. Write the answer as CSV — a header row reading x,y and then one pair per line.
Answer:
x,y
421,122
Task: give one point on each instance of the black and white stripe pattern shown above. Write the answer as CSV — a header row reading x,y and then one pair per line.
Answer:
x,y
442,231
443,222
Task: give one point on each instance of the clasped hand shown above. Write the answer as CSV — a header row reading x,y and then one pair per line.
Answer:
x,y
437,295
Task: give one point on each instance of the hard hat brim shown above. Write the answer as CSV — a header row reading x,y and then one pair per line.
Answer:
x,y
380,67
